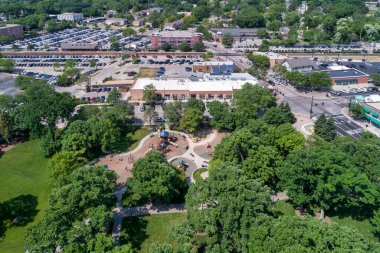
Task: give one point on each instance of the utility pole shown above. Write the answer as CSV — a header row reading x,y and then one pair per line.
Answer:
x,y
311,107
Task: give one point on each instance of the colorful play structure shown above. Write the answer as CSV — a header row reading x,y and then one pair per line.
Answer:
x,y
167,142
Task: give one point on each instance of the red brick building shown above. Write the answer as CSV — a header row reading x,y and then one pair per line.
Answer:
x,y
175,39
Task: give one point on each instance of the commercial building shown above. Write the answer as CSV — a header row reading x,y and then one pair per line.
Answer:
x,y
214,67
210,87
79,46
172,26
237,33
110,14
371,107
121,85
347,76
175,39
116,21
303,65
11,30
76,17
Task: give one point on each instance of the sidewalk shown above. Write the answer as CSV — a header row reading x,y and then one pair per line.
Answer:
x,y
371,128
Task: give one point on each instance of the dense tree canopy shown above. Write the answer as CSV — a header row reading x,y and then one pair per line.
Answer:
x,y
155,180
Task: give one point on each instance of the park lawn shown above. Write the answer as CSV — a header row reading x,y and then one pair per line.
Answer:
x,y
197,174
282,207
23,171
142,231
364,226
147,72
132,139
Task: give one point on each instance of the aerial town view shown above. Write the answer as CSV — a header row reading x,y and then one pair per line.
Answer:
x,y
199,126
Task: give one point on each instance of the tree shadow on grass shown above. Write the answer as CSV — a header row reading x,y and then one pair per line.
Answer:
x,y
358,214
134,231
18,211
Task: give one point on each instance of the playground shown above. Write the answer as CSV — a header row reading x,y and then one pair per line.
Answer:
x,y
177,147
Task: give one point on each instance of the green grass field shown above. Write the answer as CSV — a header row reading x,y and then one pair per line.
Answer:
x,y
142,231
364,226
132,139
23,170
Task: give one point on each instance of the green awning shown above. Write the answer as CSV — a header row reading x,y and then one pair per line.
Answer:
x,y
375,114
367,110
375,121
367,116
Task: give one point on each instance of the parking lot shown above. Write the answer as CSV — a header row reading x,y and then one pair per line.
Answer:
x,y
346,127
52,41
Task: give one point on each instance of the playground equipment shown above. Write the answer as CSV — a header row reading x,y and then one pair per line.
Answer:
x,y
183,165
209,149
165,141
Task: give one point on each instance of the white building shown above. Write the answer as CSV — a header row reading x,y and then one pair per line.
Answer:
x,y
210,87
116,21
71,16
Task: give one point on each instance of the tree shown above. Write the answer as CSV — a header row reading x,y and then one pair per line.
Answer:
x,y
222,118
199,47
249,102
375,79
40,107
261,61
92,63
357,111
200,12
292,18
189,20
262,33
375,221
227,40
196,104
279,115
22,82
115,44
293,234
150,114
325,128
173,113
7,65
206,33
250,18
64,163
142,30
6,126
114,96
78,137
166,47
324,177
150,94
184,47
224,206
83,197
155,180
320,80
191,120
129,32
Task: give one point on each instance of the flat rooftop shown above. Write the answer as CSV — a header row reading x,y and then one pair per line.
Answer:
x,y
176,34
213,63
345,73
206,84
8,25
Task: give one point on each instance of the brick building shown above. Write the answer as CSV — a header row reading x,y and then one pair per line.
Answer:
x,y
214,67
11,30
175,39
347,76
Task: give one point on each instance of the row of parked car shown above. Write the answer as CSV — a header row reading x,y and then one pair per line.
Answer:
x,y
353,91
